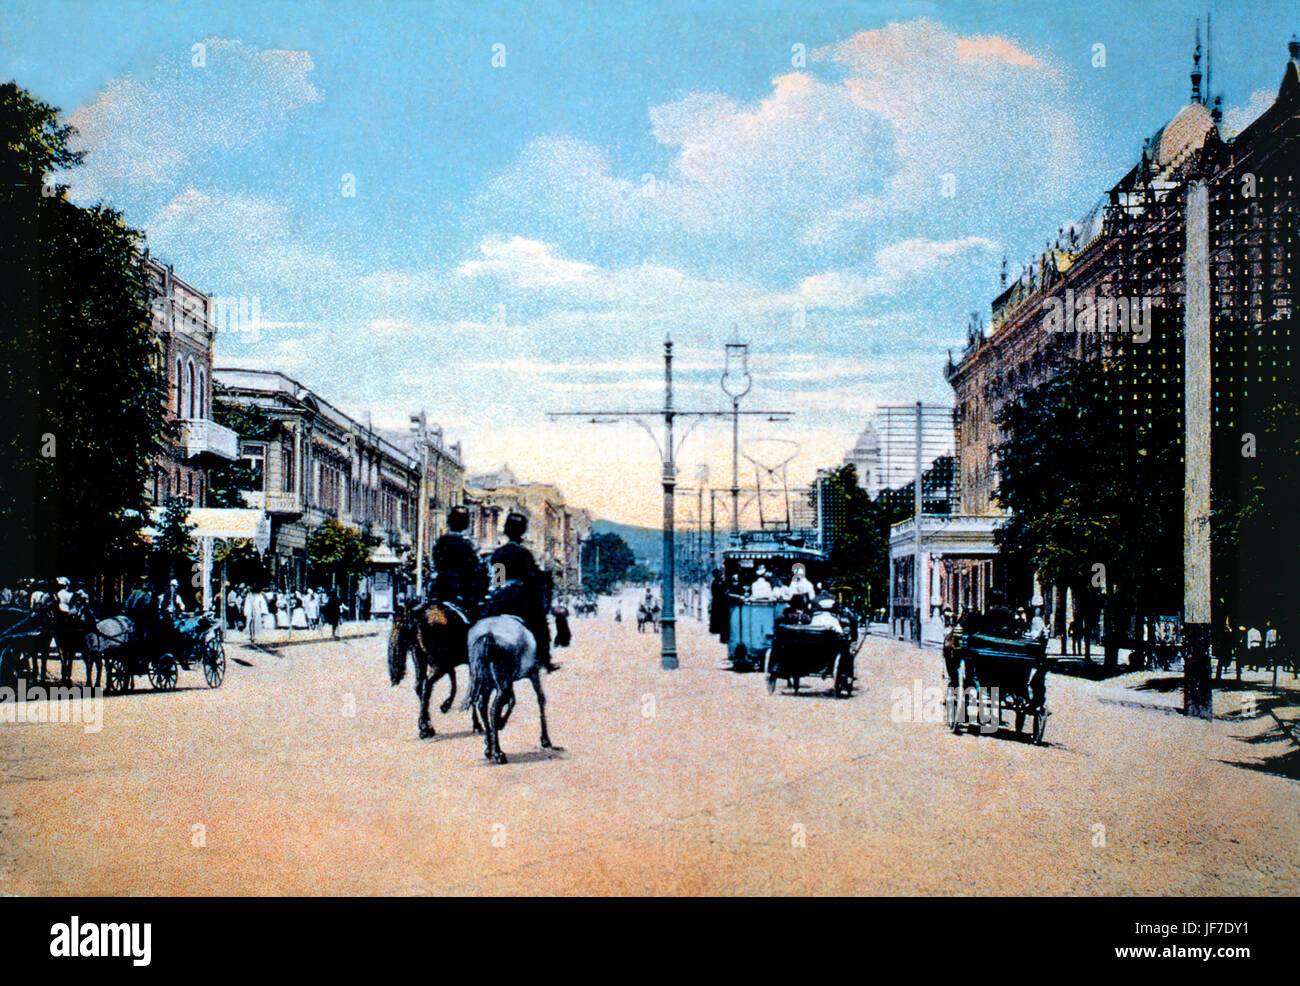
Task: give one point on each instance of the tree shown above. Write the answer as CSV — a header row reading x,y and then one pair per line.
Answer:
x,y
228,481
606,561
173,545
338,551
80,380
1086,477
859,556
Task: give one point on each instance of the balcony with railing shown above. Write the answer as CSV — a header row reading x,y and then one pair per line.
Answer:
x,y
201,437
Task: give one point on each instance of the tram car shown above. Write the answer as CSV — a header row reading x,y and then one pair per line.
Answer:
x,y
751,622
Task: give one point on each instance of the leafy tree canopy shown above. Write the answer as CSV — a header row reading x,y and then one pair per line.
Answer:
x,y
80,381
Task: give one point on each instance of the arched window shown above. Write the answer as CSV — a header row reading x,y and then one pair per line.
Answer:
x,y
180,389
189,386
203,394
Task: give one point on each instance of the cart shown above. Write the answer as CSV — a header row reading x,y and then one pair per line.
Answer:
x,y
991,676
164,646
799,652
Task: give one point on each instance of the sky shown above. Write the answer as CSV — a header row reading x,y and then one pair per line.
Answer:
x,y
493,211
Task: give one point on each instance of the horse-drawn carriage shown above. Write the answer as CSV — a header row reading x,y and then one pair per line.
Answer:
x,y
799,652
157,646
998,673
25,636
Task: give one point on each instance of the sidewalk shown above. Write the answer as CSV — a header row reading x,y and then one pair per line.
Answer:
x,y
282,637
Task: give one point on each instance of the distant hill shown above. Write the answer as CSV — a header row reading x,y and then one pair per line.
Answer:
x,y
647,543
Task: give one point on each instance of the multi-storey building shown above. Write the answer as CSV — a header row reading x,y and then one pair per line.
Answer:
x,y
319,463
445,473
1111,288
556,530
184,323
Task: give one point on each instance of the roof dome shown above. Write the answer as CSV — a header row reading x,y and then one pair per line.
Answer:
x,y
1182,135
868,441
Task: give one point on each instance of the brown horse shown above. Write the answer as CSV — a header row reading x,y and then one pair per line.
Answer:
x,y
435,634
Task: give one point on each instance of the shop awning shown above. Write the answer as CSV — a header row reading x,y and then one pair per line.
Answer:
x,y
225,524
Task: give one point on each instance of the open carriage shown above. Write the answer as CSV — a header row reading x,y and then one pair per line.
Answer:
x,y
990,676
800,652
162,645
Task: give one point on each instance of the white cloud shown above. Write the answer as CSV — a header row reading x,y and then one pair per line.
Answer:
x,y
150,130
900,263
870,134
1238,118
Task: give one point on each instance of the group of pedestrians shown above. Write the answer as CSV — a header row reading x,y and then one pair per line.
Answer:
x,y
252,610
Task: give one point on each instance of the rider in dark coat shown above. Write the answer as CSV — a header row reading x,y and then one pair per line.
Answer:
x,y
462,578
518,565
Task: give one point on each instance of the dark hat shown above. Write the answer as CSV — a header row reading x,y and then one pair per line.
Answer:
x,y
515,526
457,519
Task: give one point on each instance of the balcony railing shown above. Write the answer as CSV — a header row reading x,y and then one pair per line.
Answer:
x,y
203,437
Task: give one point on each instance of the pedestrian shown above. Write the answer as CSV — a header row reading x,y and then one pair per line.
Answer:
x,y
298,618
331,612
1076,635
363,603
562,635
312,607
255,614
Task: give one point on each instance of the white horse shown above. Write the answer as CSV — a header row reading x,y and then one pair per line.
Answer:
x,y
105,637
501,652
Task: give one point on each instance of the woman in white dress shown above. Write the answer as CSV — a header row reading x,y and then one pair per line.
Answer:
x,y
299,604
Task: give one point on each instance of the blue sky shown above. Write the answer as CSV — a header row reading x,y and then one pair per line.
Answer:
x,y
522,234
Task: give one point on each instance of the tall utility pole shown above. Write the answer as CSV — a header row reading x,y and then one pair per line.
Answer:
x,y
736,369
1198,695
916,524
667,455
929,426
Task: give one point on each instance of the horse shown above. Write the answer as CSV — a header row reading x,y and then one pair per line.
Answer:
x,y
103,637
501,652
52,623
435,634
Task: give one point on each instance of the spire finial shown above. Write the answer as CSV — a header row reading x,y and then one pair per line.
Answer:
x,y
1293,46
1196,65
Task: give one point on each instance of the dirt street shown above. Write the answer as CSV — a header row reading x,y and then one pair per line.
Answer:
x,y
303,774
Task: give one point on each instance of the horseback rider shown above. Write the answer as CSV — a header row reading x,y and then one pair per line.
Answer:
x,y
518,565
461,578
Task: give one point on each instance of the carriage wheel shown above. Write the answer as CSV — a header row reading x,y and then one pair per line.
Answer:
x,y
214,664
116,677
1040,725
162,673
771,677
955,706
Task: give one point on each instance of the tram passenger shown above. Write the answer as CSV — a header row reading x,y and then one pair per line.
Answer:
x,y
797,612
800,585
825,618
761,589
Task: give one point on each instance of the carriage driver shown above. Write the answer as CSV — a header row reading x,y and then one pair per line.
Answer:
x,y
461,576
521,567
